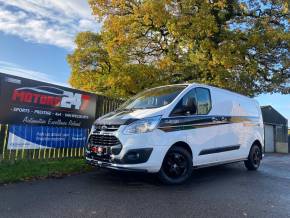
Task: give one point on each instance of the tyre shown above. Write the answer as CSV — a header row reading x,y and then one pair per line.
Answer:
x,y
254,158
176,167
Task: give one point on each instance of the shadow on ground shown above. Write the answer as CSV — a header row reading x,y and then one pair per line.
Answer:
x,y
136,179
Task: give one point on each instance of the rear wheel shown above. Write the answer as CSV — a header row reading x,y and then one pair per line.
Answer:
x,y
254,158
176,167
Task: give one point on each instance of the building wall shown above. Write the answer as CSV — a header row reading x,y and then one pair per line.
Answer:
x,y
281,139
269,138
289,140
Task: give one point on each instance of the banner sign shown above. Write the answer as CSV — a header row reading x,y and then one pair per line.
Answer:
x,y
25,101
39,137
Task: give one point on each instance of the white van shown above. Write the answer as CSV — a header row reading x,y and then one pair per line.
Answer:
x,y
172,129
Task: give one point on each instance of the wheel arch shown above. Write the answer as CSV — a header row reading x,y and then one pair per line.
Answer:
x,y
184,145
258,143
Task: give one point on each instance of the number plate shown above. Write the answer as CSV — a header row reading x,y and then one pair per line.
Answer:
x,y
99,150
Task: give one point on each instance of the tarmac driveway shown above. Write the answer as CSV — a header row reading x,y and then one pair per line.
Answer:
x,y
224,191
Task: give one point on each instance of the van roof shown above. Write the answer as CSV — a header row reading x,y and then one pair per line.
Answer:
x,y
223,90
212,87
209,86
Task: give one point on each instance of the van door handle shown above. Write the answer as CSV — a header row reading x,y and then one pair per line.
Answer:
x,y
223,119
214,119
218,119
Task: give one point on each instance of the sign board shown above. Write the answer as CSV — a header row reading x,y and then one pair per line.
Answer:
x,y
30,102
39,137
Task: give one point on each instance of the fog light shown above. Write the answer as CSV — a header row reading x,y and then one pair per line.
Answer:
x,y
133,156
137,156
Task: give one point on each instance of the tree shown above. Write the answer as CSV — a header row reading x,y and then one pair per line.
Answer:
x,y
239,45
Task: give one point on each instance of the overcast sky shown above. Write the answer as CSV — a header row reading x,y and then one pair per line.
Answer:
x,y
37,35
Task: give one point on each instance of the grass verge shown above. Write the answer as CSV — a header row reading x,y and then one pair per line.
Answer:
x,y
37,169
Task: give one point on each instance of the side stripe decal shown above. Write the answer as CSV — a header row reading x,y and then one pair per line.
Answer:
x,y
192,122
219,149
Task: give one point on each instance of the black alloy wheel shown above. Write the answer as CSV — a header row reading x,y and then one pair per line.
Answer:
x,y
176,167
254,159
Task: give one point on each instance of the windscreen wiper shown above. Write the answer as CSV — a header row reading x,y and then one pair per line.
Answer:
x,y
126,110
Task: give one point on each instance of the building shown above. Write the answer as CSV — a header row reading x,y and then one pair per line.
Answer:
x,y
276,130
289,140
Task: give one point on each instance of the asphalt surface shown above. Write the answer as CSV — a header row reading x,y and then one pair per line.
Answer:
x,y
224,191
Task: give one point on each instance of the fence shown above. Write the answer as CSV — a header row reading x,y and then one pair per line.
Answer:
x,y
104,105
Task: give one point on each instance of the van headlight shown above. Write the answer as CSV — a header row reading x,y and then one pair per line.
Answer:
x,y
142,126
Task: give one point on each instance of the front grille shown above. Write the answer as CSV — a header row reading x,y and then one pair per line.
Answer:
x,y
109,144
103,140
106,128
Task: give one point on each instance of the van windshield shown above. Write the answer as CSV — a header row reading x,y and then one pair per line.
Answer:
x,y
153,98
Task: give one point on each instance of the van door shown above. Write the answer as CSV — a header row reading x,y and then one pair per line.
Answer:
x,y
205,137
192,116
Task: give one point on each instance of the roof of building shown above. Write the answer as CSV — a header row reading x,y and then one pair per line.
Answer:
x,y
272,116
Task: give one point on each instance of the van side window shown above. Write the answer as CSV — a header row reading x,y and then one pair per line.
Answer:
x,y
186,106
203,100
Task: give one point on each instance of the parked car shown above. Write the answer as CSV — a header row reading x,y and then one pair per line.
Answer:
x,y
171,130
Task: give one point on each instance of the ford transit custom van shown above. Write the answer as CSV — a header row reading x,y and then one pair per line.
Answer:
x,y
171,130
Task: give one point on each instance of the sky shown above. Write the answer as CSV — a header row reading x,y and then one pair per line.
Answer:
x,y
37,35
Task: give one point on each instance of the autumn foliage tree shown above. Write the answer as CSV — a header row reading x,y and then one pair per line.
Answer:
x,y
233,44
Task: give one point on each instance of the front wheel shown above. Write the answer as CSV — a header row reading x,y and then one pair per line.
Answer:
x,y
176,167
254,158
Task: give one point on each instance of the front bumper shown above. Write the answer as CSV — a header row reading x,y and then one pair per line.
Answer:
x,y
113,166
152,165
131,156
153,146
